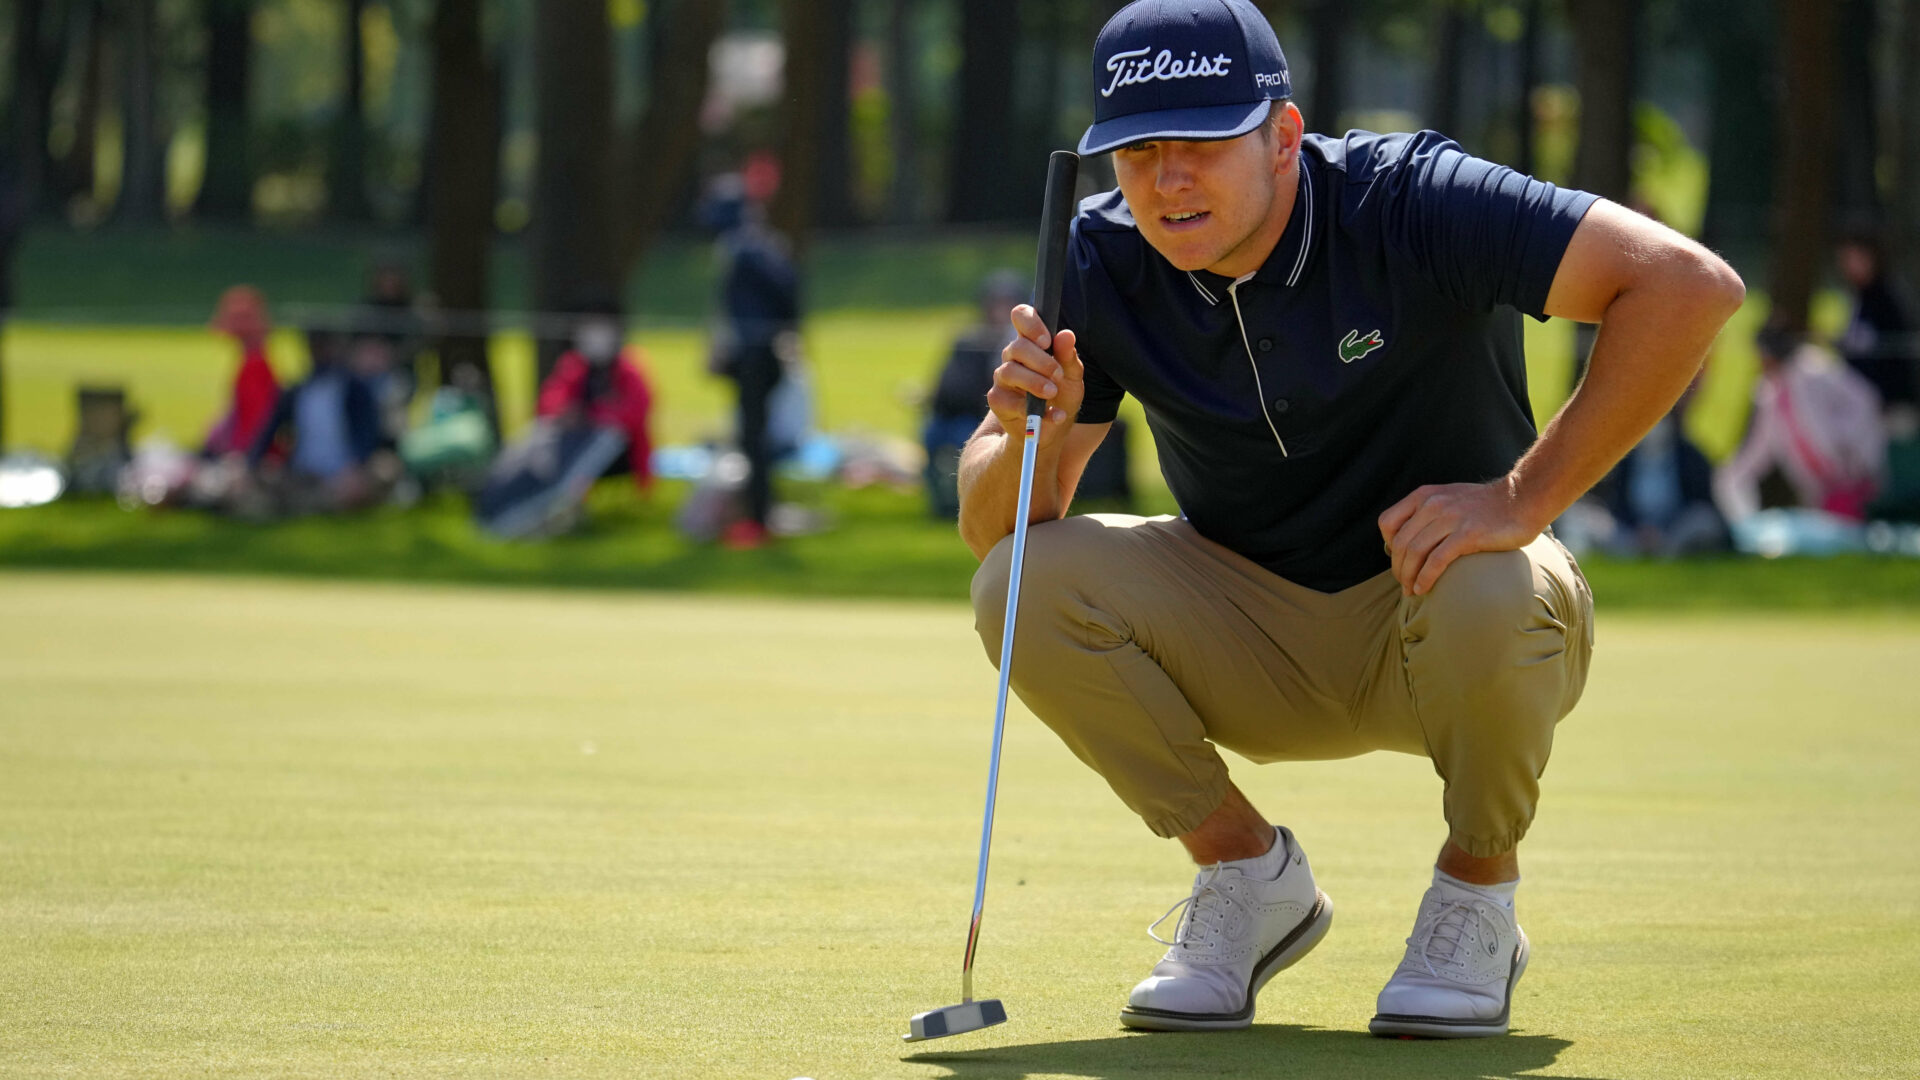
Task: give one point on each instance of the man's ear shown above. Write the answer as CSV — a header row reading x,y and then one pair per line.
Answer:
x,y
1288,128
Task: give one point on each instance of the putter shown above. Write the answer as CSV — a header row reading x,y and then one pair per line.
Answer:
x,y
1063,169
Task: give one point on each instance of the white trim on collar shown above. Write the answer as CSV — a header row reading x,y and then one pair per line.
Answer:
x,y
1306,241
1212,300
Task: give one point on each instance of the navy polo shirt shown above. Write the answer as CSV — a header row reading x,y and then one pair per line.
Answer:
x,y
1378,348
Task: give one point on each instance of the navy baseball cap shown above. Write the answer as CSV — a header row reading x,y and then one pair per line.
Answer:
x,y
1183,69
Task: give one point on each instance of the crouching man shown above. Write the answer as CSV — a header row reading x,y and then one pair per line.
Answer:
x,y
1324,334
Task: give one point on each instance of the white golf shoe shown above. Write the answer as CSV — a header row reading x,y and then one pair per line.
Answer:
x,y
1237,932
1462,962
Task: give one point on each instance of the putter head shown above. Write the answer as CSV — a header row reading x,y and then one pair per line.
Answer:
x,y
955,1019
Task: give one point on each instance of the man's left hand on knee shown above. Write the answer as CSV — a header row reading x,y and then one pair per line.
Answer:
x,y
1436,524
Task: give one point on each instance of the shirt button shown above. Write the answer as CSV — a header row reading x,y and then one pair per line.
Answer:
x,y
1281,404
1266,344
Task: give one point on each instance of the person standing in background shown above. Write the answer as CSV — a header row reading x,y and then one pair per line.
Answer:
x,y
1882,341
759,321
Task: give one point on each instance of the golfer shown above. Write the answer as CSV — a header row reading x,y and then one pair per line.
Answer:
x,y
1325,336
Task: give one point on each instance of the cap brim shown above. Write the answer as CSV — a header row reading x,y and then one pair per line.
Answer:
x,y
1210,122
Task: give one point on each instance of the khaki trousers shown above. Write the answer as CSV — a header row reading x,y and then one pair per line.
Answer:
x,y
1144,646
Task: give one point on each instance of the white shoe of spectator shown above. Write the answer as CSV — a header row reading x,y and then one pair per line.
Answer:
x,y
1244,922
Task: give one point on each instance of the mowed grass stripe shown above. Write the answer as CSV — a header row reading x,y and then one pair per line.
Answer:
x,y
261,828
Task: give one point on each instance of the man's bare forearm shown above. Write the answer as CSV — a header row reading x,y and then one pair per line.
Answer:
x,y
989,483
1652,341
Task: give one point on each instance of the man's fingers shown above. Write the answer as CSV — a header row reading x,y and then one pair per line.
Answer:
x,y
1027,354
1395,516
1437,562
1026,323
1066,351
1420,539
1025,379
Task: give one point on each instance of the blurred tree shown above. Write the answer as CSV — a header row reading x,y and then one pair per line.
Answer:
x,y
654,159
1330,23
1856,117
464,185
347,142
815,175
1806,53
1529,46
903,131
74,178
572,236
979,189
1606,62
226,191
143,176
1449,53
1906,148
1743,141
39,50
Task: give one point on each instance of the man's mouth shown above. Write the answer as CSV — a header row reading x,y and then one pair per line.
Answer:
x,y
1184,219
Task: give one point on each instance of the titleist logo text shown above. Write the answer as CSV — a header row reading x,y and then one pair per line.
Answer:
x,y
1133,66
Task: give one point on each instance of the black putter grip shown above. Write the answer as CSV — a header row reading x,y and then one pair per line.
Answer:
x,y
1063,172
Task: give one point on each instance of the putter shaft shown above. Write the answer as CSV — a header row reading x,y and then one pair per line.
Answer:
x,y
1029,446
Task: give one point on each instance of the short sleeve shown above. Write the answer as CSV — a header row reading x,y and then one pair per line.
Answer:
x,y
1103,395
1484,234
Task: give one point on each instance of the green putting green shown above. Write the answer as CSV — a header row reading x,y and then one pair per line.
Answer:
x,y
253,828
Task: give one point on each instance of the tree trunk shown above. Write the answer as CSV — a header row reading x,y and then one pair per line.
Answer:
x,y
1856,114
35,72
465,182
1605,64
226,192
903,121
654,159
1743,142
142,173
1529,84
347,156
1806,53
981,186
1331,21
1906,151
573,238
833,194
1449,54
75,175
816,90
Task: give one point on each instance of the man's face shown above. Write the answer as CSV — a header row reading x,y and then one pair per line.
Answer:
x,y
1213,205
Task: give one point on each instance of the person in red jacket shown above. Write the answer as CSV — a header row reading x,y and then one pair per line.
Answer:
x,y
242,315
599,381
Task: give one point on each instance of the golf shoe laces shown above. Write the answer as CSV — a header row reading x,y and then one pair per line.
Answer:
x,y
1442,934
1207,906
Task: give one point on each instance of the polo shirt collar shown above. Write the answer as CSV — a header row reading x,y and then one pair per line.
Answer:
x,y
1287,264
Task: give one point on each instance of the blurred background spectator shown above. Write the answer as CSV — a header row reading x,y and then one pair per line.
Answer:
x,y
1882,339
241,315
959,400
759,316
327,431
600,382
1661,494
1818,422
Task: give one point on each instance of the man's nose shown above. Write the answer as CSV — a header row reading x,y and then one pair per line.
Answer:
x,y
1176,169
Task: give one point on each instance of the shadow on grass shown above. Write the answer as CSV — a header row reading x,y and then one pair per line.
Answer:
x,y
1265,1050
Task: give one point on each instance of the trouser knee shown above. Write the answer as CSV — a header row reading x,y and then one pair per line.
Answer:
x,y
1495,655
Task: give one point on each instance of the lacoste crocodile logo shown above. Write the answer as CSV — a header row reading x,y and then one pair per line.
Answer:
x,y
1353,346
